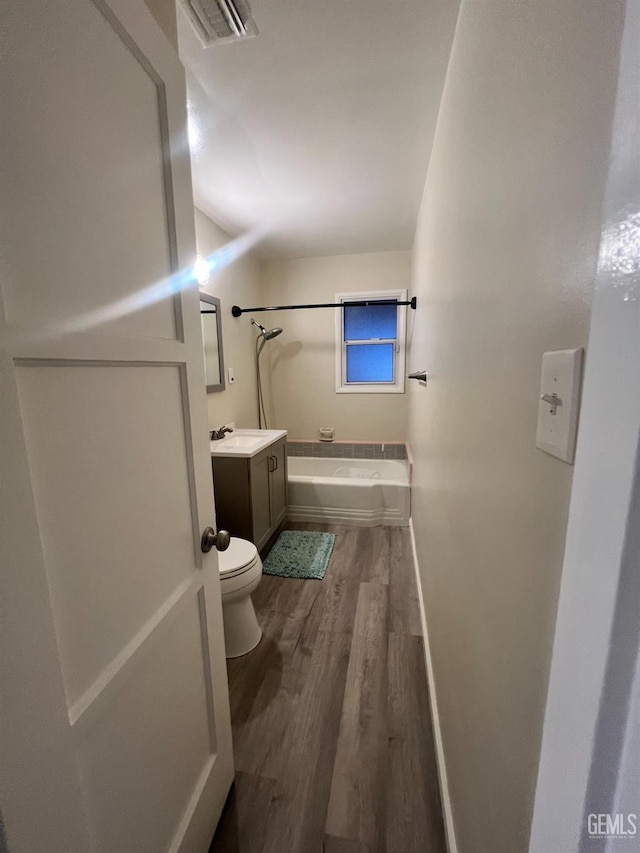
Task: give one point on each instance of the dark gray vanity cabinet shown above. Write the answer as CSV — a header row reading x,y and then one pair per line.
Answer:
x,y
251,494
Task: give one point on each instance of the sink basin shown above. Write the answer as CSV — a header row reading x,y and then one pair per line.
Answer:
x,y
246,442
239,441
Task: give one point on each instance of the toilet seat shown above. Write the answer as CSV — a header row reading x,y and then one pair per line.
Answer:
x,y
238,558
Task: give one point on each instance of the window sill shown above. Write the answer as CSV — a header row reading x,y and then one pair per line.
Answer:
x,y
371,389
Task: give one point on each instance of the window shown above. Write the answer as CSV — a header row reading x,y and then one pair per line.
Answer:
x,y
370,343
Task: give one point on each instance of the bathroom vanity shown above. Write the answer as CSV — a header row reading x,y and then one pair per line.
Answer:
x,y
250,483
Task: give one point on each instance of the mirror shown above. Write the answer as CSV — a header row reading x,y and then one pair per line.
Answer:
x,y
211,319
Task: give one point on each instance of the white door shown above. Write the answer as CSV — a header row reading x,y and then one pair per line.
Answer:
x,y
115,732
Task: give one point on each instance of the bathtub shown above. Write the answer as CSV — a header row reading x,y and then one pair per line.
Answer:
x,y
349,491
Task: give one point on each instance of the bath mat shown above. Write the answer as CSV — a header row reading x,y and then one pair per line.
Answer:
x,y
299,554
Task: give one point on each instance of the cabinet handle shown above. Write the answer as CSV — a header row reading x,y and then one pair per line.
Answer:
x,y
275,460
270,463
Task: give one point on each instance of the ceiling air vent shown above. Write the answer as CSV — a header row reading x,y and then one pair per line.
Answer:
x,y
219,20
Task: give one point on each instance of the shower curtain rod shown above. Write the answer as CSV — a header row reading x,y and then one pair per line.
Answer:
x,y
237,311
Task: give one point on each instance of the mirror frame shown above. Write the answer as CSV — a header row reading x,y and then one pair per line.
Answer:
x,y
213,300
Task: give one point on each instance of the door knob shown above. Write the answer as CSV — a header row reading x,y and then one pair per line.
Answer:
x,y
210,538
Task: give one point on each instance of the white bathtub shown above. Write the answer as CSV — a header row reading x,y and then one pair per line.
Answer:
x,y
349,491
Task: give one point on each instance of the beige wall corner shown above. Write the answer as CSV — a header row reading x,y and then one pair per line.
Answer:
x,y
236,283
504,263
302,360
164,11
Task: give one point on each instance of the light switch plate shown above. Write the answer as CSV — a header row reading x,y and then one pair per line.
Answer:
x,y
558,412
231,374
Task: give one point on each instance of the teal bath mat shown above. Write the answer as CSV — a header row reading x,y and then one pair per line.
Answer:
x,y
299,554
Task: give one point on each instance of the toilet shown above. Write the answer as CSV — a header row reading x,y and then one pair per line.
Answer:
x,y
240,574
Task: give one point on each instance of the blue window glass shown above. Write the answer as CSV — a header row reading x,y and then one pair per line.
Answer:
x,y
368,322
370,362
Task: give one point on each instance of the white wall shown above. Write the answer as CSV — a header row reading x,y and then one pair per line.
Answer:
x,y
589,762
237,284
302,359
504,262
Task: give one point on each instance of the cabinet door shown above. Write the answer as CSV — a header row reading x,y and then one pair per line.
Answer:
x,y
278,483
232,487
261,497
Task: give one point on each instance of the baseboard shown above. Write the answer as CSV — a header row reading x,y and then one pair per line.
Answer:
x,y
450,833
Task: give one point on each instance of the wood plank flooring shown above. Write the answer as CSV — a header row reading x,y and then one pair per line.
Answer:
x,y
331,724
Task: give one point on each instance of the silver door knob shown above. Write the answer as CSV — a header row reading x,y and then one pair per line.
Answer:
x,y
221,540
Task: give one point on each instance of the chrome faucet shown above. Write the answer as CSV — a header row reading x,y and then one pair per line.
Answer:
x,y
217,434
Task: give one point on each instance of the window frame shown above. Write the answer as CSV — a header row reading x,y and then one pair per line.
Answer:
x,y
398,385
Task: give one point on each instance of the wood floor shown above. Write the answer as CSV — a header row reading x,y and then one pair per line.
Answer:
x,y
331,724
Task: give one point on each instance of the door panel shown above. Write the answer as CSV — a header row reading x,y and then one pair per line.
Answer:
x,y
115,507
116,732
89,150
167,685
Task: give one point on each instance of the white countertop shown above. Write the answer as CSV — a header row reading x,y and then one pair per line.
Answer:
x,y
246,443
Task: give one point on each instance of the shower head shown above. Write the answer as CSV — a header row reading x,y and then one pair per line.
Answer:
x,y
267,335
261,342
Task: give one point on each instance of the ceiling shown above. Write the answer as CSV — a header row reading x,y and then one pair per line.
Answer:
x,y
315,135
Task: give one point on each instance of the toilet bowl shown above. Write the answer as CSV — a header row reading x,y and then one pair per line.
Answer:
x,y
240,573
